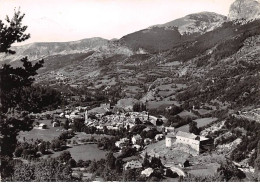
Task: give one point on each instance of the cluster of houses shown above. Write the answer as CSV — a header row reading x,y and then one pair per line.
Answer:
x,y
119,120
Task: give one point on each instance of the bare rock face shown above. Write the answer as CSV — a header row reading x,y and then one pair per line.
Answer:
x,y
196,23
244,9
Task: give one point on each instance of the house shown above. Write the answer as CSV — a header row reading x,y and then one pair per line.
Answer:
x,y
193,141
147,141
62,115
183,163
147,172
133,165
163,118
158,137
153,119
169,129
122,142
136,139
42,126
170,139
105,106
112,128
137,147
55,124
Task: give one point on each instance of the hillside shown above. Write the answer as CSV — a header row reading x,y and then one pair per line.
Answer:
x,y
44,49
196,23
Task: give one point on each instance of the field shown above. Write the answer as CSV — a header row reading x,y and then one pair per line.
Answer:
x,y
46,134
205,121
200,123
155,104
84,152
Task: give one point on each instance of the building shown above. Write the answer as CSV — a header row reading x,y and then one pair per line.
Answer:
x,y
191,140
86,117
42,126
55,124
158,137
136,139
133,165
170,139
122,142
147,141
169,129
147,172
183,163
105,106
137,147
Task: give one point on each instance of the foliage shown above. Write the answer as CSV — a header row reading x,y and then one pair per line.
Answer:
x,y
111,160
228,171
193,128
48,170
249,141
12,32
65,157
139,107
146,162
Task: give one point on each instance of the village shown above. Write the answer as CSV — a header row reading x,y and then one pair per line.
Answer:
x,y
143,130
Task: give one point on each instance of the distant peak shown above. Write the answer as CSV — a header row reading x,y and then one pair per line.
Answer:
x,y
244,9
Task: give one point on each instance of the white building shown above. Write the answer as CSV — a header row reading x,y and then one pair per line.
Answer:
x,y
158,137
170,139
147,141
169,129
192,140
43,126
122,142
133,165
136,138
147,172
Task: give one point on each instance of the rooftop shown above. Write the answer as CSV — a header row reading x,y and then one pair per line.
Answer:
x,y
186,135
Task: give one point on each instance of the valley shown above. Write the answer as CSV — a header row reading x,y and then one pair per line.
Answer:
x,y
173,102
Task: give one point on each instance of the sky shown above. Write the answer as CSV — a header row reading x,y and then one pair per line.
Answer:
x,y
68,20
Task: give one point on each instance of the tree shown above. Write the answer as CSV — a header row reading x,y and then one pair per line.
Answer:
x,y
193,128
72,163
65,157
12,32
156,162
42,147
159,122
12,82
146,162
257,161
18,151
47,170
129,176
66,124
111,160
228,171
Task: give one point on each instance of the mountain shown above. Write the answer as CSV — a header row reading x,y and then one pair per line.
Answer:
x,y
166,36
244,9
43,49
152,39
196,23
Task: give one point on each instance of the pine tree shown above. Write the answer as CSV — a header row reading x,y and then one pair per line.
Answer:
x,y
12,81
